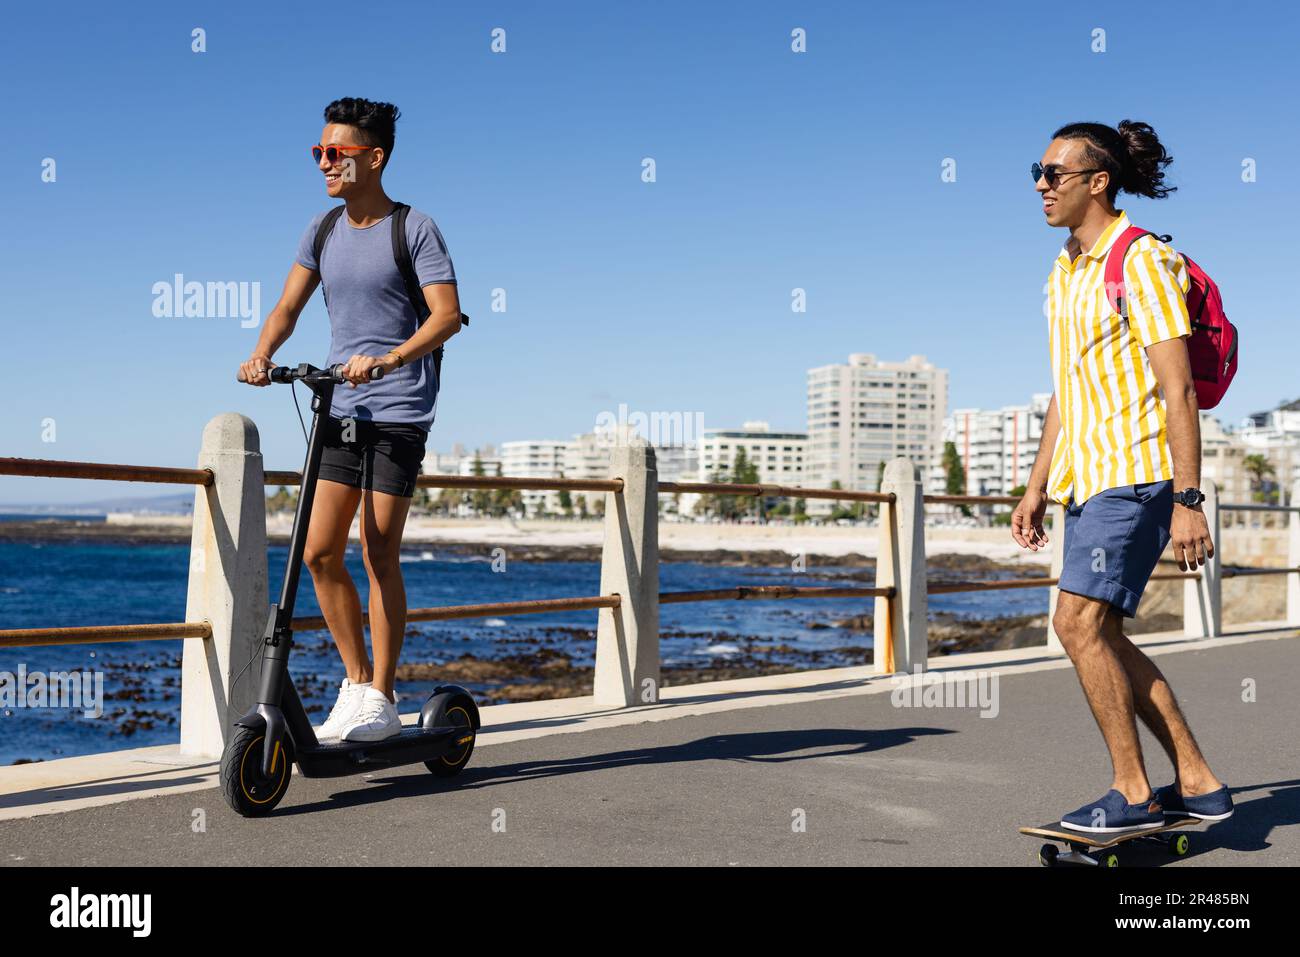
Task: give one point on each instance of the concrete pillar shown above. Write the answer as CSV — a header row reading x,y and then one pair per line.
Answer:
x,y
1203,597
227,586
1056,537
627,637
1293,558
901,630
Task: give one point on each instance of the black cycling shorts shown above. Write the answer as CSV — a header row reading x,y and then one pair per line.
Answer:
x,y
382,456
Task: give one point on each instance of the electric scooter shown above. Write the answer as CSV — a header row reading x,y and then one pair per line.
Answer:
x,y
276,733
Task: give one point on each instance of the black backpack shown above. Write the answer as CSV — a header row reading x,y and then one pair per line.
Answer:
x,y
401,256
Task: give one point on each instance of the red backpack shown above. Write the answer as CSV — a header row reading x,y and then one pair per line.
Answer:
x,y
1212,347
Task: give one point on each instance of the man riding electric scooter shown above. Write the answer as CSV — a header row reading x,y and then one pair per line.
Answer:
x,y
391,296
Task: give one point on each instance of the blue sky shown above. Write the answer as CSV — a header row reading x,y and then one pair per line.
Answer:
x,y
775,170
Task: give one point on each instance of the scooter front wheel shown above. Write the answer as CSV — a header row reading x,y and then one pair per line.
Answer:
x,y
248,791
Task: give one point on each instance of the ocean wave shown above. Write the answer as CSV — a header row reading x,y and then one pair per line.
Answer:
x,y
422,557
445,559
722,649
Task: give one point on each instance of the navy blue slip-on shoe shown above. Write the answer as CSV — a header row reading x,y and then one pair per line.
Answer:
x,y
1215,806
1113,813
1169,799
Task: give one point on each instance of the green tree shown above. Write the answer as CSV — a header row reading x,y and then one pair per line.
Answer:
x,y
1259,468
481,498
506,500
954,474
566,501
1004,518
745,472
282,501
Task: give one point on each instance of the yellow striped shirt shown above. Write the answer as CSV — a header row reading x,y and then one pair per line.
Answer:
x,y
1111,406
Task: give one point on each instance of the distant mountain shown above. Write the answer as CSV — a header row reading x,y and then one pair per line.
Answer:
x,y
179,503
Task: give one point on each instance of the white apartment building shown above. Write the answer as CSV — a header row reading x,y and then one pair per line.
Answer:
x,y
868,412
677,463
1222,459
997,447
535,458
780,456
1275,434
585,456
448,463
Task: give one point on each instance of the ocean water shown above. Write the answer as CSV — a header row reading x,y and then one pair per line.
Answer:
x,y
44,584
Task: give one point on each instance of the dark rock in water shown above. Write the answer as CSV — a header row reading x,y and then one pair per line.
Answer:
x,y
951,633
856,622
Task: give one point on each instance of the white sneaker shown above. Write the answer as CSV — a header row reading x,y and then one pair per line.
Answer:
x,y
344,708
375,718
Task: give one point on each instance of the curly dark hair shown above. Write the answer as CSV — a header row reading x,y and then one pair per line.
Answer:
x,y
376,122
1131,153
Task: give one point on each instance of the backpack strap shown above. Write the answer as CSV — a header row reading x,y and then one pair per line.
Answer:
x,y
323,233
1114,277
402,256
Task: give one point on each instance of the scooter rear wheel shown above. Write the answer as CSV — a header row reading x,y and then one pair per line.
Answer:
x,y
247,790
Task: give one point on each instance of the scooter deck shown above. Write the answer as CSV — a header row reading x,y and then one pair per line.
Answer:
x,y
341,758
1056,832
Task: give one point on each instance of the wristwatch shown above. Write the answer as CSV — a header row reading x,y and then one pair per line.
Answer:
x,y
1191,497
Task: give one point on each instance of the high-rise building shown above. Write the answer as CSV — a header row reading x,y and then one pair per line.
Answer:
x,y
867,412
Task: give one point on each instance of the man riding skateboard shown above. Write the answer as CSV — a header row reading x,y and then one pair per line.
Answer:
x,y
1121,449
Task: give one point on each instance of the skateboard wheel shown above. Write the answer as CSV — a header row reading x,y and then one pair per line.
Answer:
x,y
1110,859
1047,855
1179,845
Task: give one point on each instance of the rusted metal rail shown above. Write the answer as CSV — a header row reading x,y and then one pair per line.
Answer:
x,y
1238,572
437,480
948,588
774,491
94,634
767,592
536,606
1257,507
971,500
48,468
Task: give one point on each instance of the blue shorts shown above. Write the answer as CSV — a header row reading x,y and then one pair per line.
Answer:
x,y
1113,541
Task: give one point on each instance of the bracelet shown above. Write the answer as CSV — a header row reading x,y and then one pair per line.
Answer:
x,y
401,361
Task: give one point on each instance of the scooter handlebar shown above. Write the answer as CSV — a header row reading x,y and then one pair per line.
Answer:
x,y
306,371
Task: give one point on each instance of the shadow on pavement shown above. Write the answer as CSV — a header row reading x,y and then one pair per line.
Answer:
x,y
768,747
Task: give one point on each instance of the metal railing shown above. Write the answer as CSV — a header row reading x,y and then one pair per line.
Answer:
x,y
227,596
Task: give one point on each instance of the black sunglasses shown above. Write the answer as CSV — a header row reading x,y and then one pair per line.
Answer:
x,y
1053,173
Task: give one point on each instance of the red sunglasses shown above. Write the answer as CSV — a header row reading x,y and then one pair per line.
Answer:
x,y
333,153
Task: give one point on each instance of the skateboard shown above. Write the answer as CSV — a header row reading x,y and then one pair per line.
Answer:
x,y
1088,848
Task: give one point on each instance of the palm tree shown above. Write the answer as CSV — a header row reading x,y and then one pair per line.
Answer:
x,y
1259,468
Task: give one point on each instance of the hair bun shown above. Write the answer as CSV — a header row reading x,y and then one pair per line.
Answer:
x,y
1143,174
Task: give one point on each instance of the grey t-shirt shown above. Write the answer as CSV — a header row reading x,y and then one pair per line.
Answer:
x,y
370,313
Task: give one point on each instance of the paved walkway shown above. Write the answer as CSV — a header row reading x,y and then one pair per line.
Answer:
x,y
716,774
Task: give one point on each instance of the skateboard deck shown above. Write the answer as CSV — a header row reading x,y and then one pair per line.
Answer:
x,y
1079,842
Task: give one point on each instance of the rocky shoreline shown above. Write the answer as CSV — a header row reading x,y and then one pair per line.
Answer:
x,y
556,664
71,531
